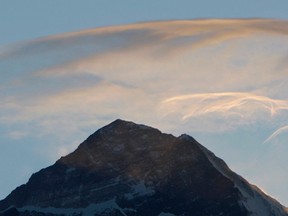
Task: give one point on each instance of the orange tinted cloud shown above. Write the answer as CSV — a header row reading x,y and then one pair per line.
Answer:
x,y
148,64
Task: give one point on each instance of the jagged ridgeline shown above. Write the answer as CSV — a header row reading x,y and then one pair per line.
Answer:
x,y
130,169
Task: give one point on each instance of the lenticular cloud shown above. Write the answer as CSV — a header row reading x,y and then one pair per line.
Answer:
x,y
233,67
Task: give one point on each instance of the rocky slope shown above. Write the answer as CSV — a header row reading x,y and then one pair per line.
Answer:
x,y
130,169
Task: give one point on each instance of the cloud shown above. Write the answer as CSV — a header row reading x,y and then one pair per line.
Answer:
x,y
117,71
234,108
17,134
164,37
86,105
224,102
276,133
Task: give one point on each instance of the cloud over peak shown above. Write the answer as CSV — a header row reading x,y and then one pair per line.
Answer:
x,y
184,76
236,60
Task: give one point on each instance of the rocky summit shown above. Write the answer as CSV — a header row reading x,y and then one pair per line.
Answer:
x,y
127,169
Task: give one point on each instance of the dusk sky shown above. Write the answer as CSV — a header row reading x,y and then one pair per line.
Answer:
x,y
222,81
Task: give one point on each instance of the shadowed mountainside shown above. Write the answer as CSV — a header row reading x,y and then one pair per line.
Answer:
x,y
130,169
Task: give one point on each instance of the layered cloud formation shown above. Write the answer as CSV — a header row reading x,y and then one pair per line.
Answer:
x,y
203,77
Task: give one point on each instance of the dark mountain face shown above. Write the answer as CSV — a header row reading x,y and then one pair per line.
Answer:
x,y
129,169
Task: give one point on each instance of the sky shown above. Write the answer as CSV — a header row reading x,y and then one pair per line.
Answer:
x,y
24,20
224,82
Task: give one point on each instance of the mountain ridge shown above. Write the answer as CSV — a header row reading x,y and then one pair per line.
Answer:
x,y
131,169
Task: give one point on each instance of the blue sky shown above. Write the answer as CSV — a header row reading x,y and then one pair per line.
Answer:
x,y
243,116
23,20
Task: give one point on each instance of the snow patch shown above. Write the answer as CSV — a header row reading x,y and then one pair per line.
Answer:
x,y
166,214
87,211
139,189
104,187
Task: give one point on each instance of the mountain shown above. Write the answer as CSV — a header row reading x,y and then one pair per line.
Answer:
x,y
130,169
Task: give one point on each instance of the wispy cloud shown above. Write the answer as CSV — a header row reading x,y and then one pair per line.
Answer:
x,y
234,108
17,134
224,102
276,133
120,70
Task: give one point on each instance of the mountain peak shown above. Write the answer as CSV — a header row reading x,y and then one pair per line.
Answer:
x,y
132,169
121,126
187,137
122,122
119,123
